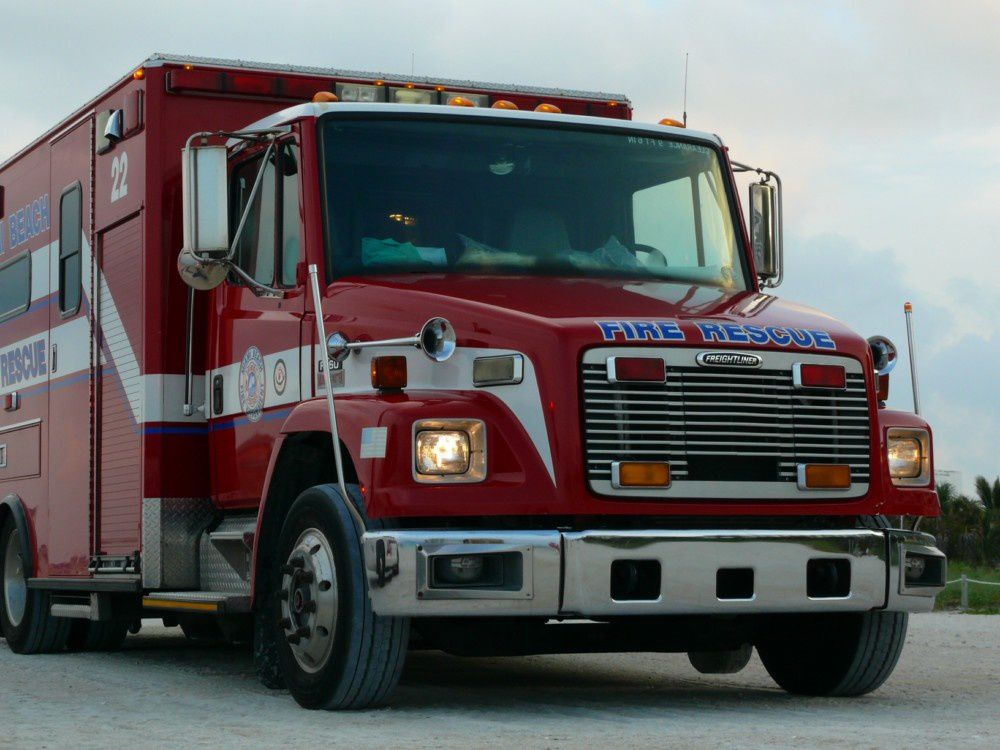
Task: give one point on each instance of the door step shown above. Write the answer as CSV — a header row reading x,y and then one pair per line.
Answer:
x,y
197,602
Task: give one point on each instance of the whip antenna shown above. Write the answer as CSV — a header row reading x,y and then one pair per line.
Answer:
x,y
686,55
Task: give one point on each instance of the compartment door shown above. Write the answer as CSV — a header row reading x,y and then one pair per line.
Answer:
x,y
70,429
120,393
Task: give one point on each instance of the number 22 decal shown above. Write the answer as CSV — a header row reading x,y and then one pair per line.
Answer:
x,y
119,176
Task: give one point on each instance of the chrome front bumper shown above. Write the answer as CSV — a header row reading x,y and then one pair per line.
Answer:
x,y
569,573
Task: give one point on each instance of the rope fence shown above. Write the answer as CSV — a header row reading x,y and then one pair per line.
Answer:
x,y
965,581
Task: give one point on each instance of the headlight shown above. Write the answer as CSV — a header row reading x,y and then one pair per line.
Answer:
x,y
449,450
441,452
909,456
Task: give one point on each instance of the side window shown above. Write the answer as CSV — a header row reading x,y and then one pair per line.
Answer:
x,y
663,219
15,286
291,217
271,243
70,241
255,252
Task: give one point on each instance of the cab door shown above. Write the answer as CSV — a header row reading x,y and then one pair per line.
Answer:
x,y
255,340
70,429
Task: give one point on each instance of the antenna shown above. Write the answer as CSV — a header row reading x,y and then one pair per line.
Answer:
x,y
686,55
413,62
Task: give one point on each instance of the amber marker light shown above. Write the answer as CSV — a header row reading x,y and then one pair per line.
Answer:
x,y
551,109
640,474
824,477
672,123
389,373
461,101
325,97
503,104
139,73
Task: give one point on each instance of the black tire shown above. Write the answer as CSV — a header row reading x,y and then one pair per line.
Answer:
x,y
833,655
361,664
85,635
35,631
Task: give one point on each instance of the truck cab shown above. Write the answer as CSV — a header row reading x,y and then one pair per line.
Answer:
x,y
505,379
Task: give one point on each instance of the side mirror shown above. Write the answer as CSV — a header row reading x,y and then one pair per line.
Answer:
x,y
204,179
765,231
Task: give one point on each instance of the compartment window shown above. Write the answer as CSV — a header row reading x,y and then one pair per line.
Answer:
x,y
15,286
70,245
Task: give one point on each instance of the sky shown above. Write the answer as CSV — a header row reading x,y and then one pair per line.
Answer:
x,y
882,118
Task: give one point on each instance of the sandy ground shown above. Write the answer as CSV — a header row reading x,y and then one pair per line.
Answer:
x,y
163,691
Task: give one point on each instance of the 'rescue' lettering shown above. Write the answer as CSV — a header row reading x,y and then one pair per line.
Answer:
x,y
723,333
23,362
732,333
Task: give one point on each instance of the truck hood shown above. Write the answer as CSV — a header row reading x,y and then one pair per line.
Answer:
x,y
515,312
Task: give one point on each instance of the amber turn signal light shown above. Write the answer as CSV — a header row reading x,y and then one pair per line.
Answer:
x,y
503,104
461,101
824,476
640,474
389,373
552,109
324,97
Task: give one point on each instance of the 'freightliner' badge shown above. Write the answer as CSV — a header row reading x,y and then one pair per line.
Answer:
x,y
729,359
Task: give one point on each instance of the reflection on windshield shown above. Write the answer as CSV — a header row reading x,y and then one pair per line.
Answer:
x,y
410,196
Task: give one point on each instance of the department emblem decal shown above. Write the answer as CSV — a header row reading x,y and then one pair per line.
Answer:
x,y
253,385
280,376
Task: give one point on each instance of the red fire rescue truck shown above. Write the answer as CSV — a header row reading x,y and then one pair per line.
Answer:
x,y
450,365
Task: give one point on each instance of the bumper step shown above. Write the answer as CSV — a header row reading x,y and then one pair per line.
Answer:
x,y
197,602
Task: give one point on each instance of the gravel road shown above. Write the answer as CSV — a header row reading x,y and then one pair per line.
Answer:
x,y
163,691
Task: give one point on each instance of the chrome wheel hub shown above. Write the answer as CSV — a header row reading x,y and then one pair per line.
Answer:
x,y
15,587
309,601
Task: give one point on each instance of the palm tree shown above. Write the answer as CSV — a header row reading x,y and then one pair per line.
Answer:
x,y
989,523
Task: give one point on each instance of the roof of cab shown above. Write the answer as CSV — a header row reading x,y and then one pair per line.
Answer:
x,y
299,111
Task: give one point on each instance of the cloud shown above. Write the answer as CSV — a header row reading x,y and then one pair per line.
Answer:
x,y
880,117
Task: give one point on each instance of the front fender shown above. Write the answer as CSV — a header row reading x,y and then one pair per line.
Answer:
x,y
515,466
905,501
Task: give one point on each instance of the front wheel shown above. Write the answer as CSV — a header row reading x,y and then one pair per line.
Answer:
x,y
835,655
334,652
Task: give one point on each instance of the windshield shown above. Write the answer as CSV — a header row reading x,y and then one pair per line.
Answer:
x,y
412,195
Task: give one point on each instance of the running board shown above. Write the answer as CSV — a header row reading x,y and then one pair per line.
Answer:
x,y
197,602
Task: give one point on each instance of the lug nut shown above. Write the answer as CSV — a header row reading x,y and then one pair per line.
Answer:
x,y
303,632
306,576
309,606
294,639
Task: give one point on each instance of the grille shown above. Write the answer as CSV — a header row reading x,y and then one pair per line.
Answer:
x,y
755,420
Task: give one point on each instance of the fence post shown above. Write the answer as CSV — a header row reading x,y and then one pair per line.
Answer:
x,y
964,604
